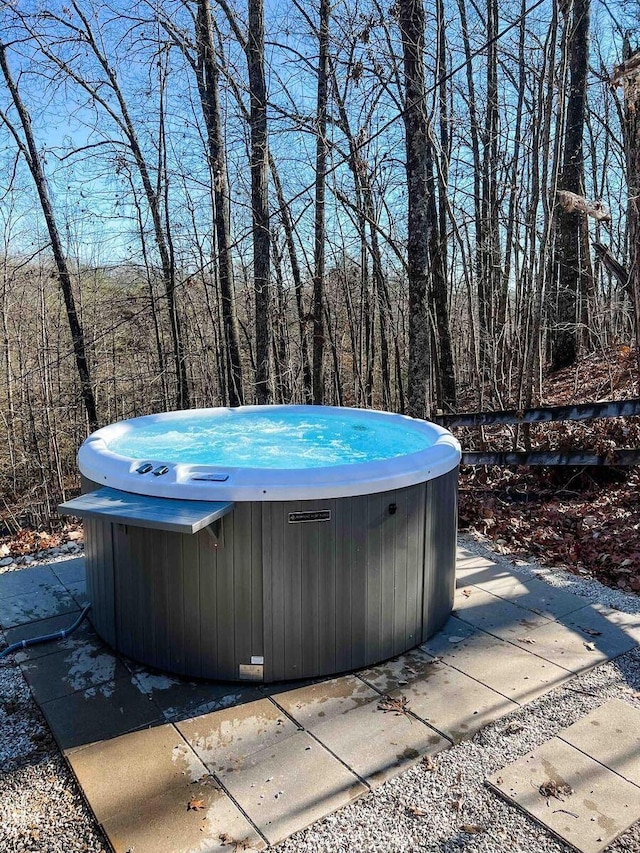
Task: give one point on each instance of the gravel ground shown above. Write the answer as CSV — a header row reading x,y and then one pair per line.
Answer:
x,y
42,810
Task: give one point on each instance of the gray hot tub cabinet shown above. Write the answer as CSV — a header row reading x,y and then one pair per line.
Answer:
x,y
277,590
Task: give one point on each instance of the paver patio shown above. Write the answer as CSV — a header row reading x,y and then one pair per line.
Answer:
x,y
258,763
592,773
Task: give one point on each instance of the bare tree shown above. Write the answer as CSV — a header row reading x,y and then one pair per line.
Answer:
x,y
629,73
29,149
320,227
259,193
411,19
207,75
572,265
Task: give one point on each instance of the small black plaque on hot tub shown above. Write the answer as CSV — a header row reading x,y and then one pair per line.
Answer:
x,y
310,515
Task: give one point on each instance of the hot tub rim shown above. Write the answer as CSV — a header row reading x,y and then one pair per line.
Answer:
x,y
101,465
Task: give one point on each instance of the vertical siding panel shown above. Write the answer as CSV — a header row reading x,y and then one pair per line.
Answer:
x,y
443,546
374,579
402,625
309,568
291,560
388,573
174,585
343,572
359,581
238,621
428,586
256,614
234,594
272,595
211,564
100,578
198,652
416,560
224,603
126,585
327,591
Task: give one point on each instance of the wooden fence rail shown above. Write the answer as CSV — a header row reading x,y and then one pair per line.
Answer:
x,y
580,412
619,456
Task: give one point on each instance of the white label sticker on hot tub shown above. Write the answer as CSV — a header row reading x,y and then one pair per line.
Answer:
x,y
257,659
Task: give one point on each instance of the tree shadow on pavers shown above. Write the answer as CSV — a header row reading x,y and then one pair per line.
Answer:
x,y
549,622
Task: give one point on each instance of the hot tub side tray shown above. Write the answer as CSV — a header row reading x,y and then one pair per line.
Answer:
x,y
177,516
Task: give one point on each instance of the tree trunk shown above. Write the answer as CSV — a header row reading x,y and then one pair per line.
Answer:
x,y
259,194
570,264
287,224
411,19
32,157
209,91
632,151
489,272
320,225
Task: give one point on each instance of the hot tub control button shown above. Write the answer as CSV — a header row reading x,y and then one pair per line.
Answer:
x,y
161,469
144,468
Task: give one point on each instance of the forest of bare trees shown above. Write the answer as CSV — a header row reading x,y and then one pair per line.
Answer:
x,y
417,206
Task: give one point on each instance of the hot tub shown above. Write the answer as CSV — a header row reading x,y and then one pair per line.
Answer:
x,y
268,543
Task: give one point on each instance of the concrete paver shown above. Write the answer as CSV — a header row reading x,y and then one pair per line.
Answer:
x,y
225,739
454,703
453,632
600,807
611,735
99,713
140,765
516,674
153,776
70,571
345,715
535,595
606,618
78,590
27,607
289,785
29,580
495,615
179,699
85,663
164,824
467,562
570,646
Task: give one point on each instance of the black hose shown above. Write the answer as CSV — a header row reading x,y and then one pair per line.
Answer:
x,y
45,638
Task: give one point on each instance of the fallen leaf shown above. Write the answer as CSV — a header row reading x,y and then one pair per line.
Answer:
x,y
397,706
416,810
591,631
466,593
472,828
429,764
528,640
512,728
555,789
194,804
455,639
227,841
591,647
